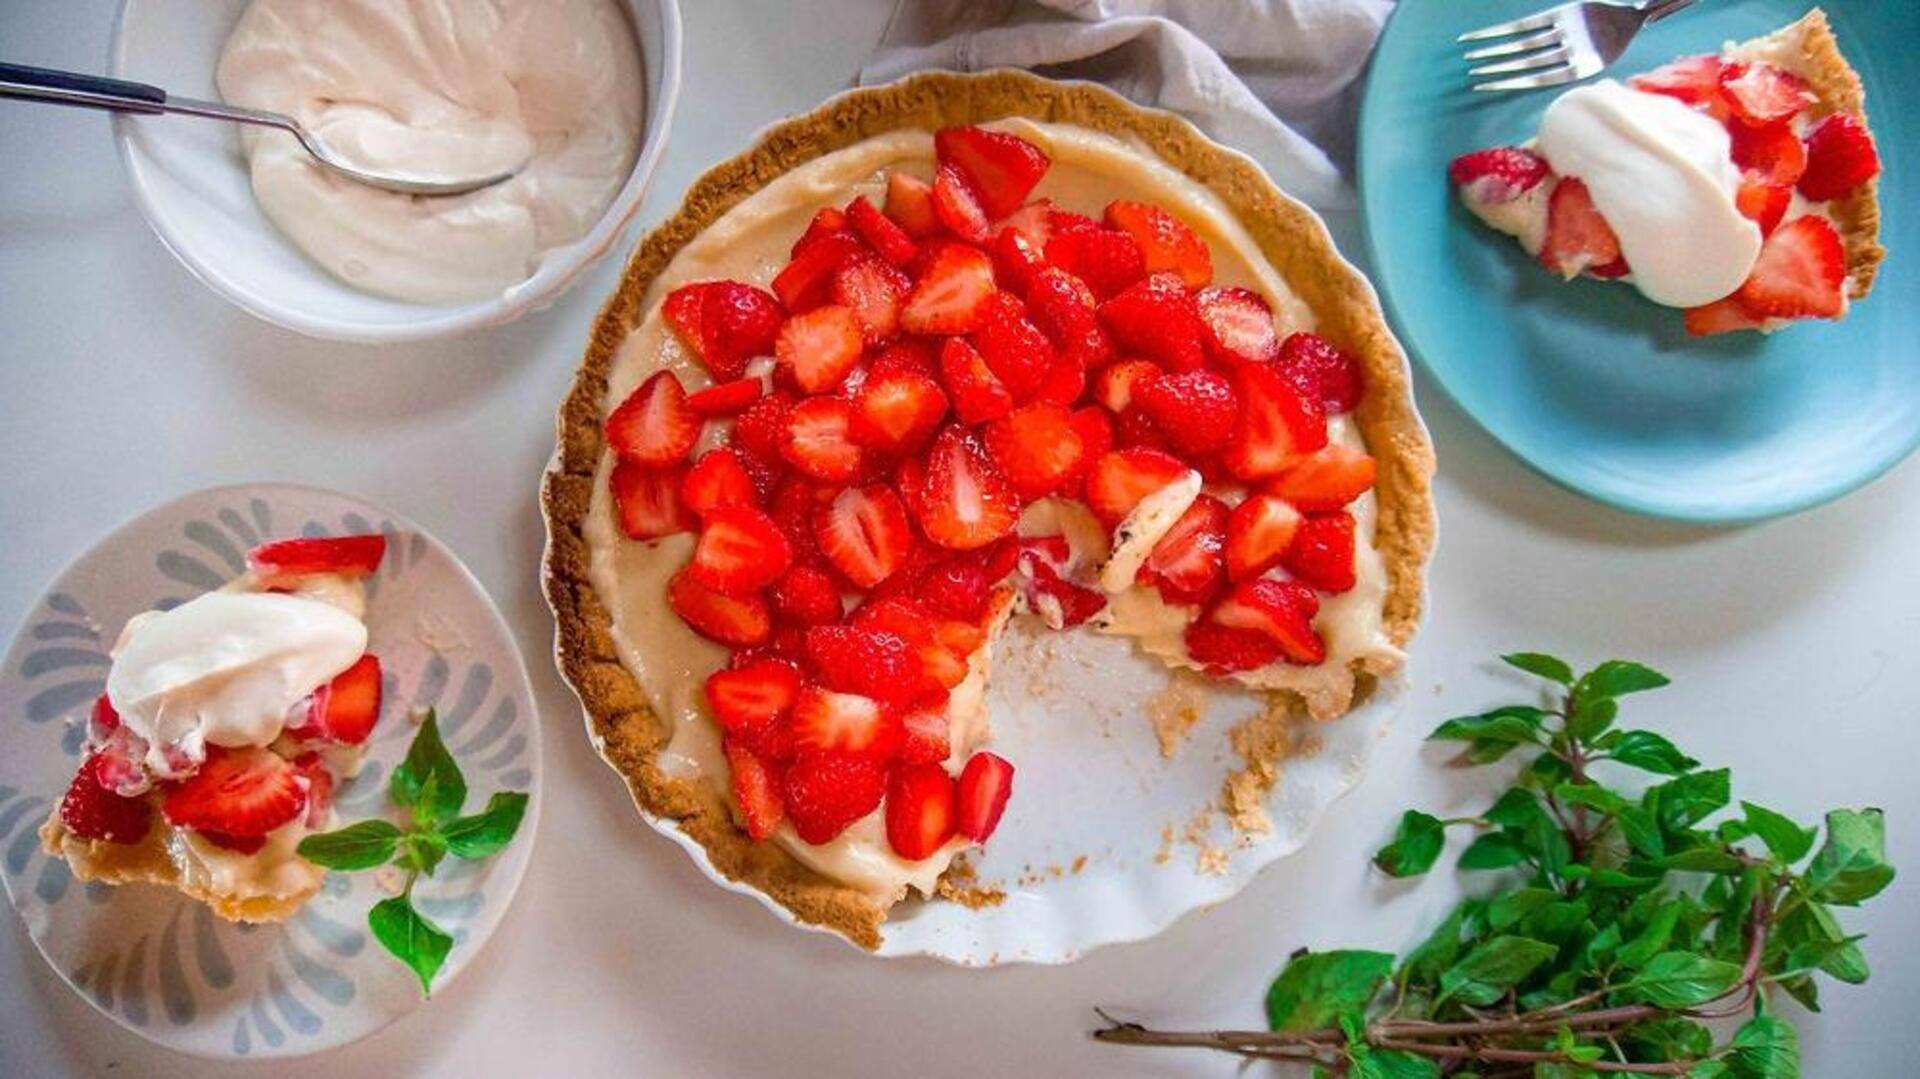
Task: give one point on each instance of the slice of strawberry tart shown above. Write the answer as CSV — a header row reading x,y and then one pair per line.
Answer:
x,y
917,386
227,722
1738,186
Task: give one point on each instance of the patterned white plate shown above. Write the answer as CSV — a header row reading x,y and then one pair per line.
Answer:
x,y
161,965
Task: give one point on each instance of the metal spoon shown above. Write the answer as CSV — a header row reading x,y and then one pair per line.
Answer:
x,y
116,95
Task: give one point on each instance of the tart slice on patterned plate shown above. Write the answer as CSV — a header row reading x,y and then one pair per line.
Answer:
x,y
944,354
226,725
1739,187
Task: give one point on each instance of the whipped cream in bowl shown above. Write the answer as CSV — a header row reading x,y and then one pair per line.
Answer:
x,y
576,95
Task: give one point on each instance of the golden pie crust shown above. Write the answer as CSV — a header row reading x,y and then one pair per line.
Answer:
x,y
147,862
622,724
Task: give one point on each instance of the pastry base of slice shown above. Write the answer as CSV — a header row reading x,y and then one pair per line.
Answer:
x,y
621,722
150,861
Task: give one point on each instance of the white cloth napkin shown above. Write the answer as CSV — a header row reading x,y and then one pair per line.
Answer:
x,y
1274,79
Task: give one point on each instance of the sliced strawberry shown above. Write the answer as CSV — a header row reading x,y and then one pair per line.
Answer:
x,y
1157,318
1001,168
1760,93
950,291
1764,204
1770,155
717,480
920,810
1034,221
1499,174
722,323
1122,478
977,394
1016,259
1036,448
1323,371
940,667
756,790
1108,260
1221,650
1693,79
1195,410
956,205
1282,611
1259,531
873,291
91,809
825,792
311,768
807,281
735,620
761,430
1799,273
818,348
910,205
1840,157
103,720
864,533
896,411
955,588
243,792
927,734
1721,316
1116,384
725,398
819,440
1322,552
863,660
1014,349
1065,309
1277,423
1326,480
1064,384
881,233
1578,238
749,699
1239,326
826,221
828,721
1060,603
963,502
986,783
1188,565
740,551
805,596
1096,439
909,355
653,425
647,500
348,556
346,708
1166,243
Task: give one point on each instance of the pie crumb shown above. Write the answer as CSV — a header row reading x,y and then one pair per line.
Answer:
x,y
1175,709
960,883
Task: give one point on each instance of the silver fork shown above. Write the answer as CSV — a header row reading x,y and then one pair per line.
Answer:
x,y
1561,44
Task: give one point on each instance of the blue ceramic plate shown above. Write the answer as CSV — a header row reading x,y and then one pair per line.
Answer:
x,y
1591,384
158,963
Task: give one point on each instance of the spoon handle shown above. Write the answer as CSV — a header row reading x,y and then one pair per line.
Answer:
x,y
74,88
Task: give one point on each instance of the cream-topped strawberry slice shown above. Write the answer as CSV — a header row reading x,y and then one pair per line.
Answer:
x,y
1723,184
1018,369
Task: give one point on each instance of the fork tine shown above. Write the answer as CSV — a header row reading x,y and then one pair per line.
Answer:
x,y
1551,58
1549,36
1537,21
1553,77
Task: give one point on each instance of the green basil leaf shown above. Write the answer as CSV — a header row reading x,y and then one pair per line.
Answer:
x,y
1436,953
1516,906
1681,980
1494,850
1591,716
1803,990
1702,860
1670,1038
428,781
1317,987
422,851
1766,1047
1651,940
1394,1064
1515,725
1593,796
1851,866
1709,1069
1415,846
1788,841
1684,802
1484,974
1552,668
411,938
1650,752
1617,678
486,833
357,846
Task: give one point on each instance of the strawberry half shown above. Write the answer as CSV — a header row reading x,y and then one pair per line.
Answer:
x,y
910,205
1312,363
882,233
1760,93
805,596
1239,325
1770,155
1065,309
1799,273
722,323
91,810
819,440
749,699
1259,531
1157,318
1764,204
818,348
895,411
349,556
1223,650
717,480
963,502
1326,480
1166,243
1721,316
1036,447
1322,552
872,290
1116,384
740,551
1122,478
1277,423
1281,611
864,533
1014,349
739,621
956,205
244,792
653,425
756,790
1498,174
849,724
647,500
1578,238
807,281
920,810
986,784
1108,260
1195,410
927,736
1188,565
977,393
346,708
950,291
1001,168
1059,602
825,792
725,398
1840,157
1694,80
865,661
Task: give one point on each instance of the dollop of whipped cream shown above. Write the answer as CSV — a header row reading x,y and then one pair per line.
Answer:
x,y
438,89
1663,176
225,669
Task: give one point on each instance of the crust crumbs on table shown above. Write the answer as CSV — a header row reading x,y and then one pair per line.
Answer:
x,y
621,721
961,884
1175,709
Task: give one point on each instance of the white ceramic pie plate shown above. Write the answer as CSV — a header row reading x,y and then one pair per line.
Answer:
x,y
160,964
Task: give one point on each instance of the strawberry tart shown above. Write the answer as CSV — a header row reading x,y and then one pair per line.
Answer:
x,y
227,722
1738,186
943,354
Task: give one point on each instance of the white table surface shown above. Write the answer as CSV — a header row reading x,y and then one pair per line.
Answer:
x,y
123,382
